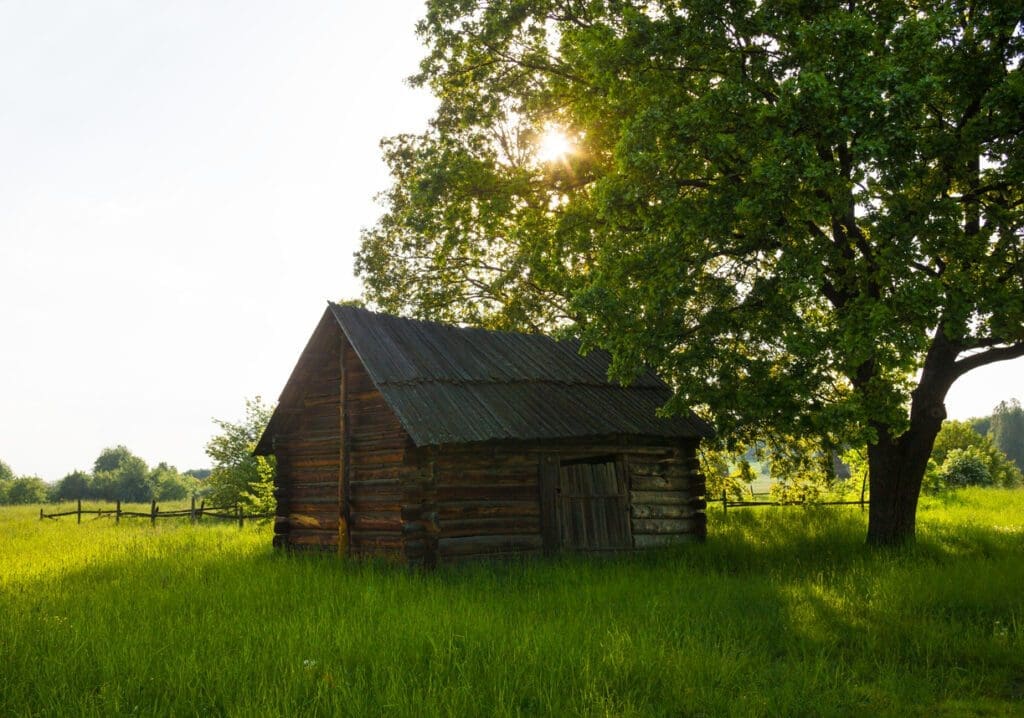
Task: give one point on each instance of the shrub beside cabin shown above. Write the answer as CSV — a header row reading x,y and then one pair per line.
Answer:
x,y
427,442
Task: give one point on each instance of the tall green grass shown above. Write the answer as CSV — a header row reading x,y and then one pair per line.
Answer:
x,y
782,612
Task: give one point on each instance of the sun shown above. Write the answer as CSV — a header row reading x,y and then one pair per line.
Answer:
x,y
553,145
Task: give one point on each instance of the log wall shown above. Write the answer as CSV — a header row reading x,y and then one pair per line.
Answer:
x,y
380,483
490,500
666,497
308,453
486,502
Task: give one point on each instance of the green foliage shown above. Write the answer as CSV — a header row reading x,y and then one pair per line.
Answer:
x,y
784,209
1007,430
779,613
6,478
118,474
170,485
113,458
982,424
76,485
238,476
958,440
719,477
965,467
28,490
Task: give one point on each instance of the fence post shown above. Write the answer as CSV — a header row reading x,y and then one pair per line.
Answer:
x,y
40,513
192,511
117,514
79,511
152,512
202,505
725,504
241,517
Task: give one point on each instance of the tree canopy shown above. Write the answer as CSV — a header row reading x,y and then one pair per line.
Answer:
x,y
807,217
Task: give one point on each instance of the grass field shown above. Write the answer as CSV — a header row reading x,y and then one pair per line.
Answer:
x,y
781,612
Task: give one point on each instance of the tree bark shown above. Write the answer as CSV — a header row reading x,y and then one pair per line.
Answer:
x,y
896,465
896,469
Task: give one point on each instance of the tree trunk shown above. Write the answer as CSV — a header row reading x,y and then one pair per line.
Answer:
x,y
896,467
895,478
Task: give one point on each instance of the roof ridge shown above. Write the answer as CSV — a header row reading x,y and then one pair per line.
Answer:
x,y
541,380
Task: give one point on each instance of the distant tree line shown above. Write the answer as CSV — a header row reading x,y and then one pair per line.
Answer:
x,y
1005,427
117,474
236,476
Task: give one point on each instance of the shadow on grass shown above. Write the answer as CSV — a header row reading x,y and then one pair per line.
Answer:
x,y
782,612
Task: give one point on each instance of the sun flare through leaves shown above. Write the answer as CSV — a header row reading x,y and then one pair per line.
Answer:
x,y
553,145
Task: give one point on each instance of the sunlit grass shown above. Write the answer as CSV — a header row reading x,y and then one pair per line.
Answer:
x,y
781,612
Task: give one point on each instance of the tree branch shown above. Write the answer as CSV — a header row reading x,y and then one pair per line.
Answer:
x,y
989,356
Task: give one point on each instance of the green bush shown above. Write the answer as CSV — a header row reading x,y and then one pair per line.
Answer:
x,y
965,467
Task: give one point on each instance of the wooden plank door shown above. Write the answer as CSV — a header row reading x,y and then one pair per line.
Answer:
x,y
592,508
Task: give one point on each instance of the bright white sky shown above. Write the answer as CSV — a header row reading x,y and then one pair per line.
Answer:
x,y
182,186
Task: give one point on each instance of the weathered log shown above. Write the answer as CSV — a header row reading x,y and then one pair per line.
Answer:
x,y
315,500
361,541
320,480
308,536
316,461
490,527
495,476
483,545
662,526
662,511
653,540
390,492
482,508
378,455
652,482
492,492
312,521
658,497
315,442
376,521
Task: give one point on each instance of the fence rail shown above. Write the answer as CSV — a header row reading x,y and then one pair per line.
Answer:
x,y
194,514
728,503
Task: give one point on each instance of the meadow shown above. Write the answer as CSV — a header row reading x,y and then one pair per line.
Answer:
x,y
782,612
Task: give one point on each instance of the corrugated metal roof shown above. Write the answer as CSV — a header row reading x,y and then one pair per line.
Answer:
x,y
453,385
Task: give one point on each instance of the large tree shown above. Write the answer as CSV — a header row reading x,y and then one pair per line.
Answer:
x,y
807,216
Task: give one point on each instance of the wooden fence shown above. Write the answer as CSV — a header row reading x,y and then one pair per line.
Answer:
x,y
728,503
194,514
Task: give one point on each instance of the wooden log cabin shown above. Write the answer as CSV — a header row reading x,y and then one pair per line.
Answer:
x,y
426,442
